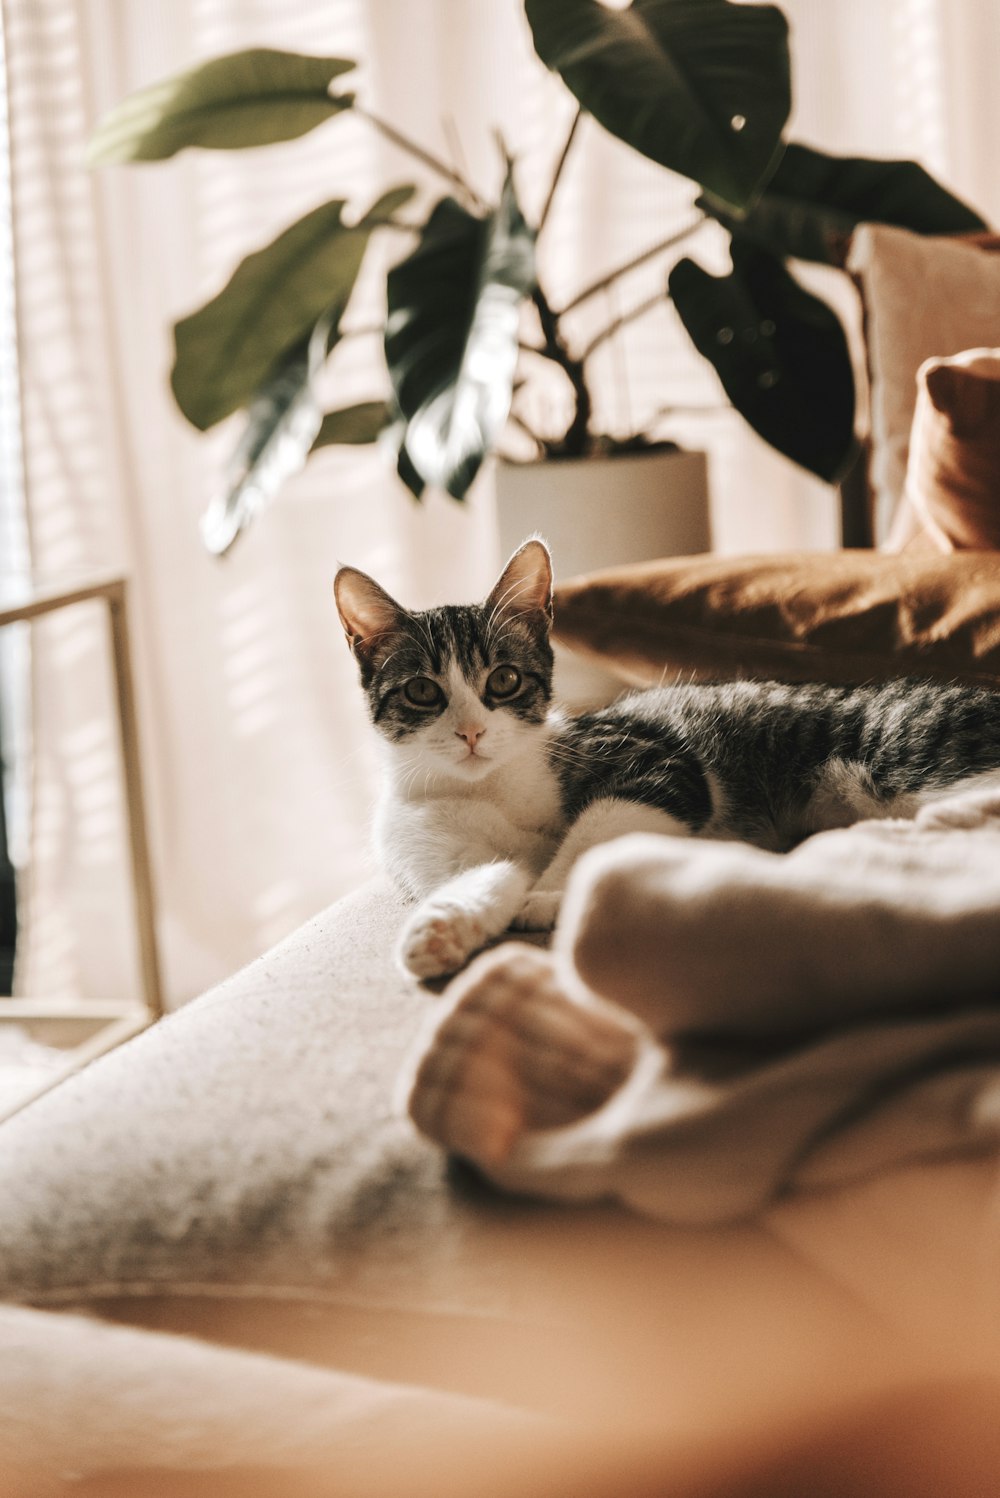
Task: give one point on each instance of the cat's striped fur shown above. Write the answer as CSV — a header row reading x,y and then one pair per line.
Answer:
x,y
768,763
491,794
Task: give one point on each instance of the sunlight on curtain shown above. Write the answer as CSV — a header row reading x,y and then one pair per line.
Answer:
x,y
918,92
258,759
14,559
13,536
257,754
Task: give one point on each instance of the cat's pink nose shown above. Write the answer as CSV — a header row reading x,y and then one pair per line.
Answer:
x,y
470,735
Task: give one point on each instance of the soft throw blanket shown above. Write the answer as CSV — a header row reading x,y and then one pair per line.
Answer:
x,y
717,1025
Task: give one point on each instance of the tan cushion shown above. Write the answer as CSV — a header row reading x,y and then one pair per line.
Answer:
x,y
953,476
846,616
925,297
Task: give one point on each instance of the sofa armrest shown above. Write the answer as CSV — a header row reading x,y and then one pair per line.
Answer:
x,y
241,1172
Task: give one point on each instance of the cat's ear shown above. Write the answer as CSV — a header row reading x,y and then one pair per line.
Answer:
x,y
525,584
369,616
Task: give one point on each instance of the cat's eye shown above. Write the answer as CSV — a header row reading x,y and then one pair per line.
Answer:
x,y
422,692
505,681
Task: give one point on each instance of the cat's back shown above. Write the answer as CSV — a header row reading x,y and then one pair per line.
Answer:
x,y
719,740
716,720
906,718
762,747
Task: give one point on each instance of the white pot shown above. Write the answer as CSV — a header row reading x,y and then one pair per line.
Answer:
x,y
603,512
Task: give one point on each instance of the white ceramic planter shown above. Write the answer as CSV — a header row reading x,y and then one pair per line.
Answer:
x,y
603,512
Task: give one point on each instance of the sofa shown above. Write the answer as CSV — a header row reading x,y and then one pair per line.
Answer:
x,y
230,1264
241,1175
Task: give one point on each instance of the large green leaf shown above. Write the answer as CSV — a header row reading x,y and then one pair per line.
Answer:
x,y
452,336
780,353
245,99
283,421
413,480
813,203
353,425
701,86
226,350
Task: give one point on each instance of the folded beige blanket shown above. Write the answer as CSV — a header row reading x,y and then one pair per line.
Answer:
x,y
718,1025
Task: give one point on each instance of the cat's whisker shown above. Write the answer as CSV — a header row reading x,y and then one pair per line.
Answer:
x,y
409,779
431,650
517,587
512,616
501,606
573,756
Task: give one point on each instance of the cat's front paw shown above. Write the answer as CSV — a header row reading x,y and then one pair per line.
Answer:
x,y
539,912
439,939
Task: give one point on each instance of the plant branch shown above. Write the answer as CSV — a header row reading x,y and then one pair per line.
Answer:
x,y
399,226
558,171
621,270
575,440
541,351
454,140
427,157
620,322
703,410
365,330
529,431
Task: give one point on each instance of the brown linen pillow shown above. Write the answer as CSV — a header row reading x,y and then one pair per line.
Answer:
x,y
953,475
841,617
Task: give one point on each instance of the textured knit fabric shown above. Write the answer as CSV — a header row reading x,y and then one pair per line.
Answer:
x,y
805,1019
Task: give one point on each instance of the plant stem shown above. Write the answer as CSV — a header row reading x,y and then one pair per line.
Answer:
x,y
558,171
428,158
575,440
620,322
621,270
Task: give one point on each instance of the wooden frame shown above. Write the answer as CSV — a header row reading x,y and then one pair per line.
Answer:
x,y
104,1024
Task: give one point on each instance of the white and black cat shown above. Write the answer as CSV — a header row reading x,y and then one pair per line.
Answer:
x,y
491,794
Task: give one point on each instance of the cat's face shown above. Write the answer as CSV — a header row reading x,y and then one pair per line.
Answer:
x,y
457,690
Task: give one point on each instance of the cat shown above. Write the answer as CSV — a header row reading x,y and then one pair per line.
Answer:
x,y
491,793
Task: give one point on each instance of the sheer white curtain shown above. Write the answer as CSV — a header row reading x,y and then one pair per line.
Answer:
x,y
258,761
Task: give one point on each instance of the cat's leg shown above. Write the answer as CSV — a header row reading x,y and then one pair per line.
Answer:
x,y
846,793
461,916
967,803
604,819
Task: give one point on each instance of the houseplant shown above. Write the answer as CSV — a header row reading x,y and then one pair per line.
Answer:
x,y
700,86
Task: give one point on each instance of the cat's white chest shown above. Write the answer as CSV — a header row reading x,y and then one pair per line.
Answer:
x,y
424,839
